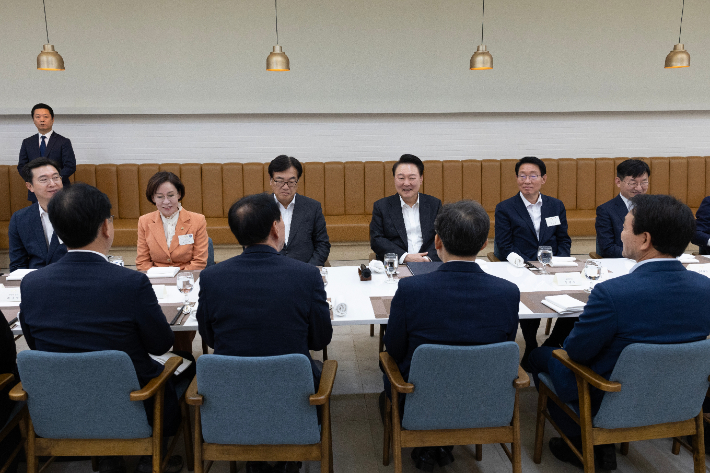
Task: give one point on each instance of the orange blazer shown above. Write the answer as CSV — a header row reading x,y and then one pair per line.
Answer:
x,y
153,249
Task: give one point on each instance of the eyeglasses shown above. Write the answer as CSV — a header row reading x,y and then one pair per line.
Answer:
x,y
163,197
634,183
45,180
110,219
281,182
523,177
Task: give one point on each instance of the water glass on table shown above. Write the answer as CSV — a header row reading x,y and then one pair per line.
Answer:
x,y
324,275
592,271
185,282
391,262
544,256
117,260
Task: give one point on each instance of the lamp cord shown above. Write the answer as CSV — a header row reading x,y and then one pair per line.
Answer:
x,y
277,21
45,20
681,21
482,18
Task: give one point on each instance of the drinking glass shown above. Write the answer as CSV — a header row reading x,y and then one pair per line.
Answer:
x,y
324,275
592,271
391,262
544,256
117,260
185,282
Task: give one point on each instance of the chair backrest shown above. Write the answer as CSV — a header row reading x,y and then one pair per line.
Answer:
x,y
210,252
82,395
257,400
659,384
460,387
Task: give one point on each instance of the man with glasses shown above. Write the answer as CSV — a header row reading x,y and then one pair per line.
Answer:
x,y
33,243
306,235
525,222
631,179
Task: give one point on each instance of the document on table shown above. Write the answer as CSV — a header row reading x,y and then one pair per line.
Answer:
x,y
168,272
162,359
18,274
9,296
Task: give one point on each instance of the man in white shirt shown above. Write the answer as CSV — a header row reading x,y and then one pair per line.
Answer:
x,y
404,223
632,179
33,243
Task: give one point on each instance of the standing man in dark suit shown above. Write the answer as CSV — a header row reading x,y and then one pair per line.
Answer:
x,y
702,230
659,301
523,223
404,223
47,144
84,303
33,242
631,179
306,235
458,304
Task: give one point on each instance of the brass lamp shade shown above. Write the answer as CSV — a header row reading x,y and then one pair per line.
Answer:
x,y
49,59
481,59
679,57
277,60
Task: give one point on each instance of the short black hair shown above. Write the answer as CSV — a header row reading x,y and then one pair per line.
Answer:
x,y
632,167
38,163
42,105
409,159
77,213
158,179
251,217
282,163
669,221
463,227
531,160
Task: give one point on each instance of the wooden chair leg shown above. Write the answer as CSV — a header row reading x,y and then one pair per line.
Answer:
x,y
232,467
205,348
94,463
479,452
515,447
372,330
675,450
387,438
325,353
396,433
382,338
624,448
585,417
540,423
198,441
326,462
548,327
187,436
32,460
699,444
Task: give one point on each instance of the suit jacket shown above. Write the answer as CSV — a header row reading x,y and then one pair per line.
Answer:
x,y
702,230
660,302
458,304
388,233
59,150
28,246
308,237
153,249
515,232
609,224
8,364
261,303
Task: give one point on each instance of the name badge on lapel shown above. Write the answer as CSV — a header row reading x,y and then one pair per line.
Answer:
x,y
186,239
550,221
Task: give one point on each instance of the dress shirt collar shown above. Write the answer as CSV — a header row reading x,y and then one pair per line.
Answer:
x,y
173,218
42,212
627,202
527,203
404,204
652,260
48,135
289,206
89,251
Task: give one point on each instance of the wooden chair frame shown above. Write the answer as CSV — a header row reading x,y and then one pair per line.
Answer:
x,y
401,438
6,379
37,446
592,436
594,255
322,451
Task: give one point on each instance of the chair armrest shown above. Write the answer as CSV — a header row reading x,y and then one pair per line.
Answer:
x,y
586,373
327,378
151,389
5,379
17,393
523,380
393,374
191,396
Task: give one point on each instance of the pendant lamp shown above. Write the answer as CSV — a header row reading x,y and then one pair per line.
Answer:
x,y
277,60
678,57
49,59
482,59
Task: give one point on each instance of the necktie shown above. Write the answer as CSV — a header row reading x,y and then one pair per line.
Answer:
x,y
43,147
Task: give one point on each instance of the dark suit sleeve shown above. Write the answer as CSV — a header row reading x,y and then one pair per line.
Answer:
x,y
153,327
18,253
595,328
605,234
320,329
702,219
504,234
68,159
378,242
396,339
321,243
203,322
24,158
564,242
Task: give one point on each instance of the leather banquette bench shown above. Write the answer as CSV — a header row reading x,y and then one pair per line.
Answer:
x,y
347,190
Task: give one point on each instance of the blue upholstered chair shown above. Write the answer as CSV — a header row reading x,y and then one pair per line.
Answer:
x,y
88,404
655,391
456,395
19,411
261,409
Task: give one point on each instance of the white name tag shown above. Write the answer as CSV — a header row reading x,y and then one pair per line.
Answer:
x,y
186,239
568,279
552,221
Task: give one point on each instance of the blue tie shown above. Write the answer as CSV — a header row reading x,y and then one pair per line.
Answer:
x,y
43,147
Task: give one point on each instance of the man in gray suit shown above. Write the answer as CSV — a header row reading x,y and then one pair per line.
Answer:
x,y
306,235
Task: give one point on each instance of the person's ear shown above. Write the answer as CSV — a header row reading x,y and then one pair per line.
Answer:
x,y
485,244
438,244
